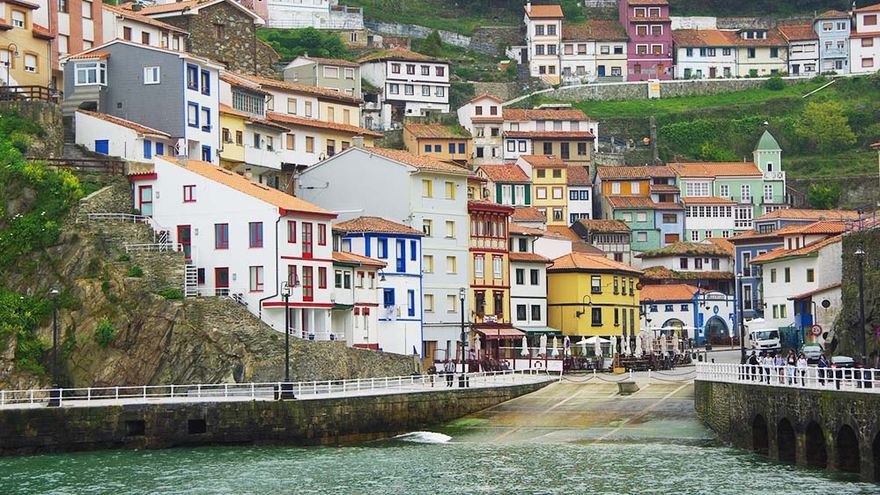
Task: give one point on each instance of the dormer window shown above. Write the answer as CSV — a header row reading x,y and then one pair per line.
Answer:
x,y
90,73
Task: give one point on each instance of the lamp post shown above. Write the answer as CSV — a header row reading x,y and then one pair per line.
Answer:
x,y
860,255
12,50
55,394
462,380
286,387
742,320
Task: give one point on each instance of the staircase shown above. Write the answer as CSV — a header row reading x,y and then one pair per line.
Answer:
x,y
190,280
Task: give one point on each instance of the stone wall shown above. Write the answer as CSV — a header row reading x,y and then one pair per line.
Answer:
x,y
493,40
503,90
48,115
847,324
290,422
668,89
855,191
735,411
761,22
413,31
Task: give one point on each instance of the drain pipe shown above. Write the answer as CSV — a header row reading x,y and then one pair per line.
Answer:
x,y
277,221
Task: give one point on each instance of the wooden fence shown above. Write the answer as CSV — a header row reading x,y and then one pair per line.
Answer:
x,y
19,93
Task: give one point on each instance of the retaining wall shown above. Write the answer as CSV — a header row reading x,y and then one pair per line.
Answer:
x,y
668,89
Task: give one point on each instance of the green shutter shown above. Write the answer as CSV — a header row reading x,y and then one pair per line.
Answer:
x,y
497,193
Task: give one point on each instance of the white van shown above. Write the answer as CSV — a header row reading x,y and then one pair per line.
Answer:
x,y
763,339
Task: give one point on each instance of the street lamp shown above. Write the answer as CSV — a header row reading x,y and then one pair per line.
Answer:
x,y
55,393
742,320
286,387
860,255
462,380
12,50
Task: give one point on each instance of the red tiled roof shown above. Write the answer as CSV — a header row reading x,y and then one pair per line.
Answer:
x,y
810,214
660,171
578,176
267,123
330,61
686,249
397,53
564,232
375,225
723,244
667,292
691,200
816,291
609,226
798,32
832,14
354,130
586,262
504,173
782,253
515,228
486,205
526,114
226,109
622,172
437,131
550,134
716,169
701,37
630,202
164,8
142,129
420,162
528,258
4,25
527,214
41,32
774,38
543,11
138,16
241,184
486,95
543,160
352,258
90,55
594,29
869,8
300,88
821,227
665,188
487,118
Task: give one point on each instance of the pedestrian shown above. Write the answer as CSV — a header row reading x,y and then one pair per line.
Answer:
x,y
449,369
768,365
802,368
432,373
821,366
753,366
779,365
791,368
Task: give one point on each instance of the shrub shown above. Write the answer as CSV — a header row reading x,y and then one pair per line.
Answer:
x,y
135,271
823,197
104,332
123,257
775,83
171,293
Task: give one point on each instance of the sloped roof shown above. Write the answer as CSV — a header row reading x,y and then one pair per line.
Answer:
x,y
550,134
768,142
543,160
590,263
138,16
702,37
243,185
798,32
869,8
528,258
515,228
330,61
722,244
608,226
420,162
543,11
357,259
527,214
320,124
663,273
173,7
816,291
821,227
564,232
716,169
397,53
437,131
810,214
685,249
604,172
712,200
41,32
375,225
774,38
300,88
526,114
142,129
578,176
667,292
504,173
782,253
665,188
832,14
101,55
637,203
486,95
594,29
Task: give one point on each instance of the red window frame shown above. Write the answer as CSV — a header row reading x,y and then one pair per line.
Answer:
x,y
292,276
291,231
307,240
322,277
255,234
308,284
257,284
189,195
322,234
221,236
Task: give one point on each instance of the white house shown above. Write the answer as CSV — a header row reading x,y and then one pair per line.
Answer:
x,y
580,193
122,138
528,280
412,84
805,270
417,191
483,117
704,53
704,216
129,25
803,49
563,132
399,309
318,14
356,299
242,239
593,51
689,310
865,40
543,35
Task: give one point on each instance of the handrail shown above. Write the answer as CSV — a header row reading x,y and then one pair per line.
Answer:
x,y
260,391
32,92
865,380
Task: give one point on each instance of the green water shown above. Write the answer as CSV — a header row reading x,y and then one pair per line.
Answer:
x,y
399,467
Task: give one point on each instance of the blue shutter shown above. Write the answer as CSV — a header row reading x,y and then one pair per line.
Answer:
x,y
148,149
412,250
160,148
102,146
388,297
411,298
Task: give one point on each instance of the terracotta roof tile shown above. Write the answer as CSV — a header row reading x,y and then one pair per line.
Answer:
x,y
487,118
164,8
798,32
515,228
528,258
782,253
869,8
586,262
640,202
486,95
137,16
504,173
774,38
4,25
331,61
563,232
685,249
526,114
665,188
420,162
821,227
397,53
723,244
437,131
609,226
691,200
375,225
816,291
663,273
90,55
41,32
300,88
543,160
550,134
716,169
142,129
622,172
320,124
527,214
833,14
357,259
227,110
808,214
667,292
701,37
543,11
594,29
243,185
578,176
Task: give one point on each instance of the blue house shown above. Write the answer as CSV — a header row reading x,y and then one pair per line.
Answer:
x,y
833,29
400,246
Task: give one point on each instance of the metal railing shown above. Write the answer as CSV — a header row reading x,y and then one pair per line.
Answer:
x,y
259,391
850,379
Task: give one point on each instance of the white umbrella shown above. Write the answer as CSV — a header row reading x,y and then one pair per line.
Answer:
x,y
594,339
625,349
597,347
555,351
525,347
663,344
583,344
477,346
639,343
542,348
675,345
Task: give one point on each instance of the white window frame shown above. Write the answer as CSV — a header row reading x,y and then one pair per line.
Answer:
x,y
30,63
152,75
84,68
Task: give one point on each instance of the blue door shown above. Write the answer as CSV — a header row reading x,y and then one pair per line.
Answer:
x,y
102,146
601,71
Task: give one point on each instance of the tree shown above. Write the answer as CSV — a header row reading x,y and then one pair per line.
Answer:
x,y
823,197
291,43
824,125
432,45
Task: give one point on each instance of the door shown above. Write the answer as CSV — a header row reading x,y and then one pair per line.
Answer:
x,y
524,56
307,240
601,71
221,281
429,353
145,200
102,146
713,72
184,239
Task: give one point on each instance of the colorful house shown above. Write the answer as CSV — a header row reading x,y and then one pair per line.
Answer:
x,y
563,132
592,295
580,193
528,282
543,34
399,312
760,52
833,28
341,75
25,57
864,43
649,28
593,51
121,138
507,184
549,186
76,25
482,117
641,215
689,311
356,298
443,142
803,49
707,264
613,237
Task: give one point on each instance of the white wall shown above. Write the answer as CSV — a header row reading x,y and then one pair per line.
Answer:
x,y
552,248
123,142
199,136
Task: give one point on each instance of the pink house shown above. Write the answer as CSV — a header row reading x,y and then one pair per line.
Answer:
x,y
649,51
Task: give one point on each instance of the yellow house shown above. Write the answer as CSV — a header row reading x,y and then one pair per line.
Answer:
x,y
592,295
443,142
231,137
25,47
488,247
549,186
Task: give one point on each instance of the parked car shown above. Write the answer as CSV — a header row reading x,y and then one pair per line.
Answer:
x,y
812,352
847,368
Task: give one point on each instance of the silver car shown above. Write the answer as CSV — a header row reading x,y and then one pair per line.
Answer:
x,y
812,352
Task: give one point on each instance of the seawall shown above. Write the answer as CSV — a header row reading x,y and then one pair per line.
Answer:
x,y
290,422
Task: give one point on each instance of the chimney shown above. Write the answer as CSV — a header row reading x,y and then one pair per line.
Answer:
x,y
357,141
528,7
137,6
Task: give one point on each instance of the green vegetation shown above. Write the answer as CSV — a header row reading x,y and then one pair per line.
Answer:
x,y
825,127
171,293
104,332
19,316
461,17
291,43
135,271
467,65
775,83
823,197
754,7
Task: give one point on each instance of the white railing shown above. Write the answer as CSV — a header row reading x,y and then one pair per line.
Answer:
x,y
124,217
100,396
161,247
850,379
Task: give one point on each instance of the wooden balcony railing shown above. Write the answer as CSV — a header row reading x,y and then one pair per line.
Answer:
x,y
19,93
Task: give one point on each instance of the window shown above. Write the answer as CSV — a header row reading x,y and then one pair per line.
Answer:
x,y
408,89
291,231
337,279
596,284
151,75
670,218
348,72
291,106
440,91
746,193
30,63
206,119
497,267
870,20
239,138
641,216
520,276
88,73
696,189
256,279
310,144
615,188
867,42
450,190
192,77
451,265
557,193
192,114
331,72
596,317
811,275
867,62
427,188
221,236
290,141
427,227
787,275
382,248
751,53
255,234
189,194
308,108
450,229
322,277
322,234
428,263
395,68
540,193
479,265
18,19
145,38
774,52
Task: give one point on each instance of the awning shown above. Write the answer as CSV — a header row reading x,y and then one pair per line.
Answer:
x,y
540,330
500,333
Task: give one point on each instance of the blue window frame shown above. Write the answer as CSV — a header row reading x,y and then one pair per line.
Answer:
x,y
653,308
427,148
668,308
206,153
192,77
382,248
451,148
206,120
160,148
573,195
684,307
148,149
437,148
585,195
206,82
255,234
192,114
573,217
388,297
401,255
411,302
102,146
412,250
461,148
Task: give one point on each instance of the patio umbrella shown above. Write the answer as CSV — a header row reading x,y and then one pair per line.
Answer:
x,y
625,350
583,344
542,348
675,344
639,343
597,347
663,344
477,346
613,347
594,339
555,351
525,347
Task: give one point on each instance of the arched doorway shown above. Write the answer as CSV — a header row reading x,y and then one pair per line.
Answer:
x,y
817,451
785,441
760,435
847,450
716,328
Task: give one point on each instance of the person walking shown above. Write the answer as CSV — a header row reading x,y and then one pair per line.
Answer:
x,y
791,368
779,364
752,371
449,369
768,366
802,368
821,366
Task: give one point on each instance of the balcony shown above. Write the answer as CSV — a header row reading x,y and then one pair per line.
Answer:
x,y
779,175
488,243
262,157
